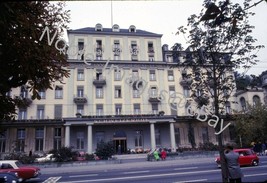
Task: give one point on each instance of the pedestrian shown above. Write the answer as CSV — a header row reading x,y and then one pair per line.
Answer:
x,y
263,148
163,154
156,155
234,171
30,153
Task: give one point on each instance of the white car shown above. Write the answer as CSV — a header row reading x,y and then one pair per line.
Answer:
x,y
48,157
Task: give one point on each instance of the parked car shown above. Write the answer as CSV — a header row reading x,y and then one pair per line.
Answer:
x,y
9,177
24,172
247,157
48,157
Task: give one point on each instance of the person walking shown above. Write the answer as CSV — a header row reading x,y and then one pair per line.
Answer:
x,y
156,154
234,172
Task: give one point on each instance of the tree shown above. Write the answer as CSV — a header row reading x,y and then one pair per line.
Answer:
x,y
251,125
26,60
220,41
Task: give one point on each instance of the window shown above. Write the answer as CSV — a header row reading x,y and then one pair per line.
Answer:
x,y
40,112
80,141
22,114
155,109
80,109
138,139
23,92
132,28
243,103
99,74
117,91
98,27
39,139
80,74
57,138
157,136
99,92
256,100
186,91
205,134
134,51
99,110
136,93
117,74
42,94
58,111
100,137
3,141
80,49
59,92
115,28
170,75
118,109
173,108
20,140
152,75
99,49
153,92
80,91
150,52
137,109
172,91
116,50
177,136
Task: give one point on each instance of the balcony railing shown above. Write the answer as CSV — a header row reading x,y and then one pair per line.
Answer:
x,y
99,81
80,99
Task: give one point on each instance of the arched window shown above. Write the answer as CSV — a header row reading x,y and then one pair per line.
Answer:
x,y
256,100
243,103
132,28
116,28
98,27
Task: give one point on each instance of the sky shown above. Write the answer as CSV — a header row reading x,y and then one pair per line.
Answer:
x,y
162,17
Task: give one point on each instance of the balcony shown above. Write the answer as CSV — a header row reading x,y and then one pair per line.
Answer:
x,y
77,99
153,98
99,81
186,81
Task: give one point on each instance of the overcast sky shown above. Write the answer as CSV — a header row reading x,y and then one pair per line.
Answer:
x,y
162,17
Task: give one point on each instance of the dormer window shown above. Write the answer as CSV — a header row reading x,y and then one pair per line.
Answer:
x,y
115,28
132,28
98,27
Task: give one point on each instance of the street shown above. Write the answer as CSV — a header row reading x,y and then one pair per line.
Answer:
x,y
150,172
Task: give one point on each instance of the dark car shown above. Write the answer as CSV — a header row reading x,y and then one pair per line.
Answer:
x,y
9,177
247,157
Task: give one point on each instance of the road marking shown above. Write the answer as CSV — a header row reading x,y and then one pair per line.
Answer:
x,y
90,175
145,171
187,168
198,180
52,180
143,176
253,175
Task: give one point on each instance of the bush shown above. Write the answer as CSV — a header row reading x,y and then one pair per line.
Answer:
x,y
89,157
208,146
105,150
63,154
22,157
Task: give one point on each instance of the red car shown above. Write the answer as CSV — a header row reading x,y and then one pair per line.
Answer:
x,y
24,172
247,157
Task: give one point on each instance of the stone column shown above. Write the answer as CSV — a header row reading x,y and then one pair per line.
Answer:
x,y
67,135
89,139
152,135
172,136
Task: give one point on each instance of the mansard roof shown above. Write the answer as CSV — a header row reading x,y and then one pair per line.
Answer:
x,y
109,31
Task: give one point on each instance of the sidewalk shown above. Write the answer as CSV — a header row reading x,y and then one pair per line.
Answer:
x,y
122,162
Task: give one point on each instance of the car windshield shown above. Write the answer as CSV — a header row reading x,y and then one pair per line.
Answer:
x,y
19,164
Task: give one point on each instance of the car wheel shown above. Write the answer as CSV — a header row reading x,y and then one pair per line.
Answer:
x,y
255,163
